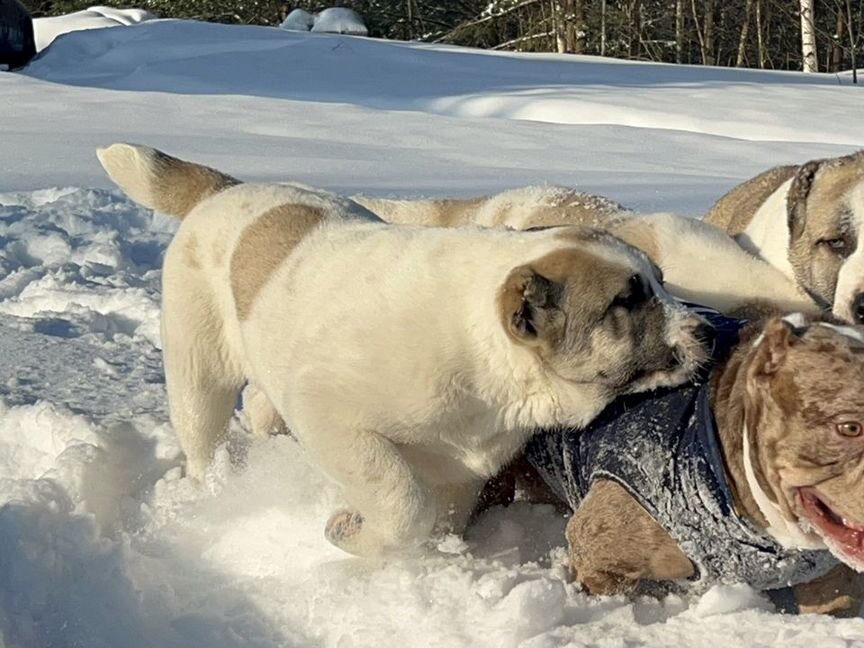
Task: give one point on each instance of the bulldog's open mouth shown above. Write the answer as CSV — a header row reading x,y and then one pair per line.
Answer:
x,y
842,534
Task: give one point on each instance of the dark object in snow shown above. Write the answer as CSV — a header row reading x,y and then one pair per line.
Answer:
x,y
17,44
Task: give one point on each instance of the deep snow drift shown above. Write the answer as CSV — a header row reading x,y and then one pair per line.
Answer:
x,y
46,30
102,543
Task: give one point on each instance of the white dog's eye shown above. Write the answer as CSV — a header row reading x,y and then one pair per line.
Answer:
x,y
849,428
635,294
836,245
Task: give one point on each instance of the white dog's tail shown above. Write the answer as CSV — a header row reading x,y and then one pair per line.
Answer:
x,y
159,181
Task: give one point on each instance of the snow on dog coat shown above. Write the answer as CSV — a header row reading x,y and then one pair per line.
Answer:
x,y
662,447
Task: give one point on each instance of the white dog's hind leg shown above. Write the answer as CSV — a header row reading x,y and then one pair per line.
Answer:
x,y
262,416
391,507
201,379
200,412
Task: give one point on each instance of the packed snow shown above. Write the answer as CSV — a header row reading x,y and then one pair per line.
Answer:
x,y
298,20
339,20
103,542
333,20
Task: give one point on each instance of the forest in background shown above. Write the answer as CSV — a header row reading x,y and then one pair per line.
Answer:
x,y
814,35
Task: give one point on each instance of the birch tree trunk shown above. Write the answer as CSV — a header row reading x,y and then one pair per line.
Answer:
x,y
760,42
679,31
808,38
742,41
603,27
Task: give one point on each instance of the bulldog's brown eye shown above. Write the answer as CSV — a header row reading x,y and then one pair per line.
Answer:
x,y
849,428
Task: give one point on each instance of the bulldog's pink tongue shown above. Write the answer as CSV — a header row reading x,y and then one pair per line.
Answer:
x,y
844,532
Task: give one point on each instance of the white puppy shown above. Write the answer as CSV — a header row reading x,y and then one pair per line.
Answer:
x,y
411,363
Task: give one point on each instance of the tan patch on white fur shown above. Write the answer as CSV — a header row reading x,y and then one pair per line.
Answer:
x,y
640,235
429,213
543,281
190,252
524,208
263,246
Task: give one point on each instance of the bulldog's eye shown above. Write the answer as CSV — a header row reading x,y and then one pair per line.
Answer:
x,y
635,294
849,428
836,245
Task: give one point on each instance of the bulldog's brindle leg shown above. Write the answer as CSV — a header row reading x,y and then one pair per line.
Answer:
x,y
840,593
615,543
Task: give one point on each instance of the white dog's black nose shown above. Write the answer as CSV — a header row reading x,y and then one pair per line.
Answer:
x,y
858,308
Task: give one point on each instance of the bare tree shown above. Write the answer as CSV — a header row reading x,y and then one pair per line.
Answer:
x,y
580,27
836,37
634,28
708,53
809,61
853,30
705,32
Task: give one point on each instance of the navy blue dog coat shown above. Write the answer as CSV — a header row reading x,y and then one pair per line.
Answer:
x,y
662,448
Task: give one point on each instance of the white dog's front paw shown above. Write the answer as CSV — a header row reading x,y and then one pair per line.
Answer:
x,y
344,530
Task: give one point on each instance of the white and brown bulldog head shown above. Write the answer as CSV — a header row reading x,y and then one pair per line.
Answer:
x,y
804,435
825,213
596,313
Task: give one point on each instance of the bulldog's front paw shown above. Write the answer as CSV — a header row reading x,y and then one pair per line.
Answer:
x,y
343,530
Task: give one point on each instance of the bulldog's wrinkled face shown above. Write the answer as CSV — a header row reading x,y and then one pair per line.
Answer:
x,y
805,425
596,312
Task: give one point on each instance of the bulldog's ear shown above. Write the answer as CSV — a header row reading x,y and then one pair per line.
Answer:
x,y
531,306
778,336
796,199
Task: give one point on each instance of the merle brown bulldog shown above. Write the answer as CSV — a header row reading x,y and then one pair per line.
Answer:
x,y
754,473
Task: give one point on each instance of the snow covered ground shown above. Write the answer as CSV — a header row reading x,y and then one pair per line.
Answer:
x,y
102,543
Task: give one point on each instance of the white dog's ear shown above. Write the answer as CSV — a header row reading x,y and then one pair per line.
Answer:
x,y
531,306
796,198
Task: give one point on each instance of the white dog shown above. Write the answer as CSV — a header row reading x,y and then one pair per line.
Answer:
x,y
807,221
701,263
411,363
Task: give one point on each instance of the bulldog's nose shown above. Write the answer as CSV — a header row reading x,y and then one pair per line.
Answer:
x,y
858,308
